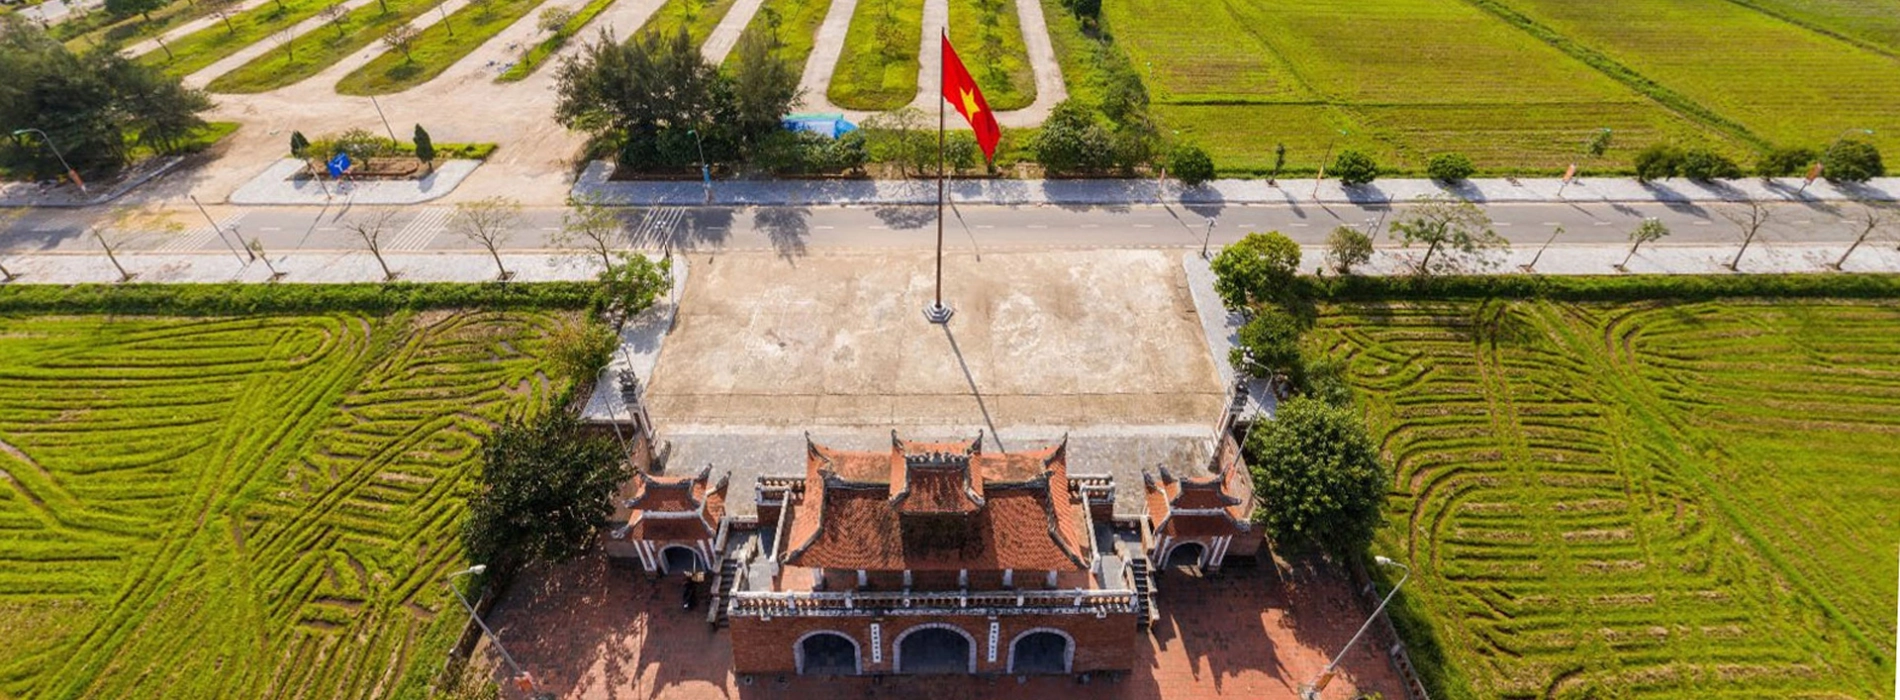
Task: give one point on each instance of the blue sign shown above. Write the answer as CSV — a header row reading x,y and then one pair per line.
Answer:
x,y
338,165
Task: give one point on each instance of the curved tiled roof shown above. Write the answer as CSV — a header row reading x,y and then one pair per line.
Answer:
x,y
676,508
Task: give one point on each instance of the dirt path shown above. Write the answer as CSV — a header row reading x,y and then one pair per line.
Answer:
x,y
726,36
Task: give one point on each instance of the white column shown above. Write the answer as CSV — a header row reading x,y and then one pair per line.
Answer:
x,y
1009,578
864,579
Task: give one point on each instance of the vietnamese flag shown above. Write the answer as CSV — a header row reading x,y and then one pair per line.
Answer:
x,y
961,91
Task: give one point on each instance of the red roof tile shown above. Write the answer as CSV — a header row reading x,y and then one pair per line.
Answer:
x,y
676,508
945,517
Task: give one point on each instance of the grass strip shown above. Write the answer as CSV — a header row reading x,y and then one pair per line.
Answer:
x,y
988,35
198,50
878,70
321,48
230,299
797,27
698,17
435,49
99,27
1608,287
537,55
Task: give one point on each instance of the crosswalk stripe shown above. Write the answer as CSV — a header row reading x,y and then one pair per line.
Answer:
x,y
201,236
417,234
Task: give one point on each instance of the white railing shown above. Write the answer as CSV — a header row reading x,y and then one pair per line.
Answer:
x,y
770,603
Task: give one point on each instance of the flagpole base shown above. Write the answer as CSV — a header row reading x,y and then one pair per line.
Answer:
x,y
939,313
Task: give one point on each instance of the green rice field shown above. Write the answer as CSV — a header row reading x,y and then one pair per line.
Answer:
x,y
243,507
1517,85
1638,500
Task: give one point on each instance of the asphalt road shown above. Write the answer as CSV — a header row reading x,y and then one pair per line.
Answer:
x,y
795,230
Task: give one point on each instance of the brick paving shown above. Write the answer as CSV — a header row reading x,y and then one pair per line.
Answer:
x,y
593,630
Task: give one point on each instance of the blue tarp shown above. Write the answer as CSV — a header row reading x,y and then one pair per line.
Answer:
x,y
832,125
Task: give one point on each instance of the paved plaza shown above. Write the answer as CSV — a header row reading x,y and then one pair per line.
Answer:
x,y
594,631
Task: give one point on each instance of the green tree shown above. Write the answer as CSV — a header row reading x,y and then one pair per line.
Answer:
x,y
553,19
1651,230
1354,168
402,38
1852,161
1260,267
633,285
299,145
1324,378
591,223
1449,168
1319,477
546,486
1598,144
1348,247
1455,232
142,8
1190,165
1071,141
1786,161
898,136
1704,165
763,88
93,105
1268,345
425,148
577,350
1659,161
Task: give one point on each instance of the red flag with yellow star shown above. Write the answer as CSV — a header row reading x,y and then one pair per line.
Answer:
x,y
961,91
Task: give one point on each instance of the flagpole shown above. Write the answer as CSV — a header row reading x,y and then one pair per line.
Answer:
x,y
938,313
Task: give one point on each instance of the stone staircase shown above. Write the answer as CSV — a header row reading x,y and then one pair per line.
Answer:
x,y
1144,593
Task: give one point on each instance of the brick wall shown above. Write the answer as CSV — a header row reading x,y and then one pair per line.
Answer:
x,y
765,646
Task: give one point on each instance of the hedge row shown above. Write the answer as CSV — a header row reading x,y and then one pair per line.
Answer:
x,y
1607,287
232,299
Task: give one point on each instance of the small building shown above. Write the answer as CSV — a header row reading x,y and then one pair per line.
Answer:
x,y
672,523
932,558
1199,522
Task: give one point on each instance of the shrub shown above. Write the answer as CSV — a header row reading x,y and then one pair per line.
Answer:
x,y
577,351
299,146
1787,161
1319,477
1071,141
1658,162
1347,247
1852,161
1703,165
1354,168
1449,168
1259,267
545,488
1191,165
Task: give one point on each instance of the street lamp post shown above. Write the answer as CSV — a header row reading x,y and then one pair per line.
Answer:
x,y
1322,163
705,173
1311,691
70,172
1209,236
533,688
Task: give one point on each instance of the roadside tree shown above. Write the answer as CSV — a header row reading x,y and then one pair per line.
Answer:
x,y
487,221
1354,168
1785,161
1071,142
1261,267
1319,477
1749,216
1852,161
1872,217
373,229
1456,233
1268,345
632,285
1449,168
402,38
1704,165
1651,230
1348,247
425,149
1191,165
1658,162
592,224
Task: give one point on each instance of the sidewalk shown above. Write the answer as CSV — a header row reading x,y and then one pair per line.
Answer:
x,y
274,187
594,182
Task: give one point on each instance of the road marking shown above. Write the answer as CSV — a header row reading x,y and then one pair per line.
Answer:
x,y
1300,225
1805,221
417,234
824,228
1552,223
1503,223
1038,226
202,235
1144,225
1091,225
986,225
1703,223
880,228
270,228
1599,223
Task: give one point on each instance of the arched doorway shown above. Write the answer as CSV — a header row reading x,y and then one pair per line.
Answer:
x,y
936,649
827,654
676,559
1186,555
1040,651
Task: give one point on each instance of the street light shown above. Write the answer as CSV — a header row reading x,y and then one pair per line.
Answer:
x,y
520,675
1322,163
705,173
1208,237
74,174
1311,691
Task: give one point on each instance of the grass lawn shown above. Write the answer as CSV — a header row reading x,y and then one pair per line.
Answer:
x,y
1784,83
321,48
879,73
699,17
1648,499
100,26
989,37
798,22
435,49
538,54
229,507
1239,77
193,52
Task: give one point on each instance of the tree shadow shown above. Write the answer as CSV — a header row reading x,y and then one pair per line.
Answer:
x,y
1462,189
906,216
1674,200
786,227
1219,622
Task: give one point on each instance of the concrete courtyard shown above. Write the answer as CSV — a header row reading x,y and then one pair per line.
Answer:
x,y
1044,342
